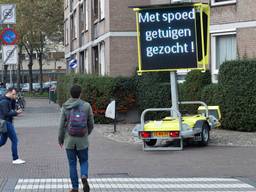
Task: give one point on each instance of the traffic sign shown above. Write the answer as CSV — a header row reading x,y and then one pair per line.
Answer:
x,y
171,38
9,36
8,14
73,64
10,54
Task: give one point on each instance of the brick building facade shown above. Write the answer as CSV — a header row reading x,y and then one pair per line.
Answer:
x,y
101,34
233,25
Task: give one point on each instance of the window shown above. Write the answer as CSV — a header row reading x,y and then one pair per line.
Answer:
x,y
73,23
222,2
71,5
95,67
76,24
86,14
66,32
96,9
72,27
102,59
224,48
81,66
82,17
86,62
102,9
34,55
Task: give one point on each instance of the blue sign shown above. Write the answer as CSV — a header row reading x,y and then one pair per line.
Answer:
x,y
9,36
72,64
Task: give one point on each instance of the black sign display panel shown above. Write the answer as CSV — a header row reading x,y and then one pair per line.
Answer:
x,y
168,38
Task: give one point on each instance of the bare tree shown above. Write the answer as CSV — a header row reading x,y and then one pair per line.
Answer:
x,y
36,20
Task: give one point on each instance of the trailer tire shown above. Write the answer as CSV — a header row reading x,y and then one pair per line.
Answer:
x,y
205,134
151,142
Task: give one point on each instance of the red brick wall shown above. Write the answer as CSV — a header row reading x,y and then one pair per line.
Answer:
x,y
123,56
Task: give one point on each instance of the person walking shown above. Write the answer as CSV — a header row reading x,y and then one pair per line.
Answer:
x,y
7,112
76,124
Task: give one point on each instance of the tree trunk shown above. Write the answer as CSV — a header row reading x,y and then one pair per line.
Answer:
x,y
40,60
19,67
5,74
30,73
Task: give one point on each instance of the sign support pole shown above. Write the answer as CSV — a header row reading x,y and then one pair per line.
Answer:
x,y
115,122
8,16
2,63
174,92
10,75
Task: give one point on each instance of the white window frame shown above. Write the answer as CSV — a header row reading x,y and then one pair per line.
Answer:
x,y
214,69
76,18
86,62
86,14
102,9
96,20
72,25
214,3
66,32
102,60
81,17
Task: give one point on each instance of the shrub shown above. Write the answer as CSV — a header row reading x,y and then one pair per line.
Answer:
x,y
99,91
211,94
153,91
237,84
191,89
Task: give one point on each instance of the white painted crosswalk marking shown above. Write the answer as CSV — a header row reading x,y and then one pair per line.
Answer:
x,y
140,184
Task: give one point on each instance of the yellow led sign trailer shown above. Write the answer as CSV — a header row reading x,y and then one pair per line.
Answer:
x,y
172,38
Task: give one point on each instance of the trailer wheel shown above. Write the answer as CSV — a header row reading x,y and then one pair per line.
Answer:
x,y
150,142
205,135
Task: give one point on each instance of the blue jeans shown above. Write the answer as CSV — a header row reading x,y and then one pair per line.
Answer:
x,y
11,133
82,156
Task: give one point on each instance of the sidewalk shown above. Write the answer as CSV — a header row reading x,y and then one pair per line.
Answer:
x,y
219,137
116,163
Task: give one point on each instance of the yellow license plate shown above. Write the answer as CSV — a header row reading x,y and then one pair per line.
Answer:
x,y
161,134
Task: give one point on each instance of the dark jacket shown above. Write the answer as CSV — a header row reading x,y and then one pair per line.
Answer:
x,y
7,111
71,142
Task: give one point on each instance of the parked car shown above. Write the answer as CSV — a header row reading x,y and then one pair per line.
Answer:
x,y
48,84
25,87
36,86
9,85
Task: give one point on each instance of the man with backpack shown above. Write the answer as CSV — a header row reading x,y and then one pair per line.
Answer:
x,y
76,123
7,112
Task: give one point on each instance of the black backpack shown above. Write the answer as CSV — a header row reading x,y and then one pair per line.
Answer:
x,y
77,121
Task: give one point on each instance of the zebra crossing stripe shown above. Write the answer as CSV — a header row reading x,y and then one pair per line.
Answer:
x,y
53,180
144,184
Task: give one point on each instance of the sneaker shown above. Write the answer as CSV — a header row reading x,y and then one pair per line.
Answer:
x,y
18,161
86,186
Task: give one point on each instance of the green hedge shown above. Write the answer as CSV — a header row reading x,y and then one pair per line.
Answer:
x,y
153,91
192,88
237,81
211,95
99,91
